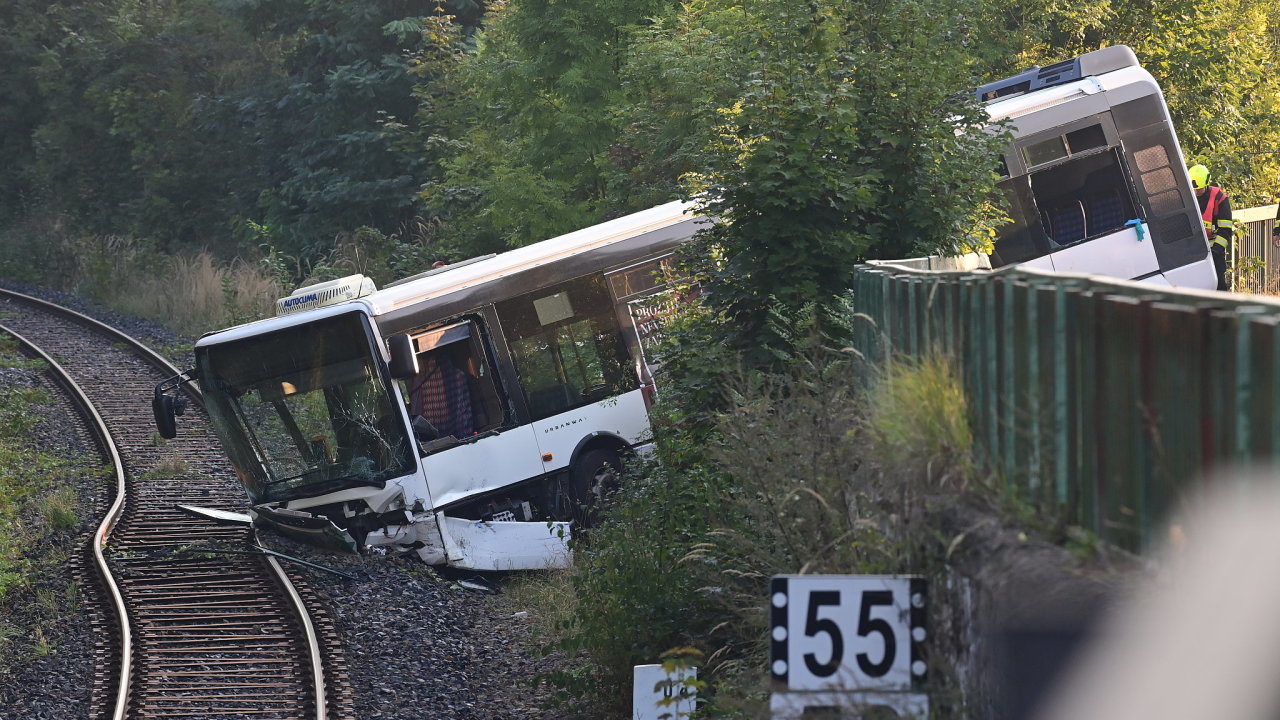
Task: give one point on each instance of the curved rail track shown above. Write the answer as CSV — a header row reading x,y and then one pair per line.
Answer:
x,y
191,624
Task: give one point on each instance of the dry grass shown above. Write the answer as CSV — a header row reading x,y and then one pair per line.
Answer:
x,y
191,293
919,421
195,293
548,598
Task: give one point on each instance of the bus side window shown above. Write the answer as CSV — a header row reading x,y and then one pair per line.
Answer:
x,y
566,345
443,395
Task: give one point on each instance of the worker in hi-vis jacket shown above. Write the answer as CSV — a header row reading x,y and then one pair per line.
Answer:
x,y
1215,209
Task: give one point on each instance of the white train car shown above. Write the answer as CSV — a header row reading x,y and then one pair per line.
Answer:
x,y
1095,178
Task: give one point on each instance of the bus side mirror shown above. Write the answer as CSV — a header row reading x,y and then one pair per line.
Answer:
x,y
167,405
404,362
166,421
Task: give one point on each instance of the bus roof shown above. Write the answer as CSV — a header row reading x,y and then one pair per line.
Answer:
x,y
592,245
656,229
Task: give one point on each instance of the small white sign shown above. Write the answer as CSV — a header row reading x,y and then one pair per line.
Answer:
x,y
847,633
659,695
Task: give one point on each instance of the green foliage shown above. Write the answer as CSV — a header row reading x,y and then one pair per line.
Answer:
x,y
843,146
642,601
10,358
684,66
919,420
58,509
771,483
532,120
15,420
1221,84
181,122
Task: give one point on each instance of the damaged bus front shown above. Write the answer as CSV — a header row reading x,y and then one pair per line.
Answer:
x,y
310,414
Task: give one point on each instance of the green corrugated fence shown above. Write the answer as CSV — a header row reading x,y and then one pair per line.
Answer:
x,y
1103,401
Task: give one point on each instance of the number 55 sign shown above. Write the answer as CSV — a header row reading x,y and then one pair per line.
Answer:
x,y
847,632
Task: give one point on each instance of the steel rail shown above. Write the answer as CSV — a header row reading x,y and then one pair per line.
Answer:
x,y
152,357
306,625
98,428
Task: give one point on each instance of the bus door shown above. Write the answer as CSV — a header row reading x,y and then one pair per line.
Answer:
x,y
465,428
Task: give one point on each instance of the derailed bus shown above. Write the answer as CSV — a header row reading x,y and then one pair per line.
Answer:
x,y
471,414
1095,179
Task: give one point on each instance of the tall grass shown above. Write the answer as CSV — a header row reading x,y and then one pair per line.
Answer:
x,y
196,293
919,420
191,293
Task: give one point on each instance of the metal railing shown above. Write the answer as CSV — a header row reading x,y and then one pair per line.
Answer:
x,y
1255,259
1102,402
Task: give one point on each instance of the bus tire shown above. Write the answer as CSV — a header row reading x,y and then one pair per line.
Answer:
x,y
594,478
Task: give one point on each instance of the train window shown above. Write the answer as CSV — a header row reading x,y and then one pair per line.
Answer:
x,y
1086,138
1090,137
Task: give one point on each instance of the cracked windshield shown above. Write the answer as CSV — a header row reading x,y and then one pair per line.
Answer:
x,y
303,410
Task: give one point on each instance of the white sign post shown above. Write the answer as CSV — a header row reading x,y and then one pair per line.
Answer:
x,y
847,641
659,695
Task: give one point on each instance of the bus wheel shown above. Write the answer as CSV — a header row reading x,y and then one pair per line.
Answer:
x,y
595,477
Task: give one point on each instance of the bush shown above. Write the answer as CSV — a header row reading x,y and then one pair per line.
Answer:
x,y
636,598
920,420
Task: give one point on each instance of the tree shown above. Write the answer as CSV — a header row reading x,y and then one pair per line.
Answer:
x,y
25,32
852,140
535,120
332,124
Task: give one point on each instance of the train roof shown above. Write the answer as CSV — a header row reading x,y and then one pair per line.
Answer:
x,y
1036,78
1044,108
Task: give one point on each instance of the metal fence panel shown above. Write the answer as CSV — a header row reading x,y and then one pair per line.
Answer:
x,y
1100,401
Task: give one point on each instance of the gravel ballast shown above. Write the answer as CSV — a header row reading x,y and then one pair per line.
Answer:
x,y
418,642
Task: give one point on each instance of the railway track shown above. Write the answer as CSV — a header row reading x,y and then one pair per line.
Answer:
x,y
191,622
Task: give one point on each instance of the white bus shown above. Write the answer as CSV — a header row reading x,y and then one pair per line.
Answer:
x,y
469,413
1095,178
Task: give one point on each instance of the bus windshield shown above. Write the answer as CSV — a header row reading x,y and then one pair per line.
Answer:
x,y
304,411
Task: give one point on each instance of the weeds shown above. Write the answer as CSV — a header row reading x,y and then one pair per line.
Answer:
x,y
38,497
920,421
59,509
47,599
167,467
190,293
799,471
11,354
42,645
15,419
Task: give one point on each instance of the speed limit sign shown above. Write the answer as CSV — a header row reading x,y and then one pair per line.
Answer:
x,y
847,632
